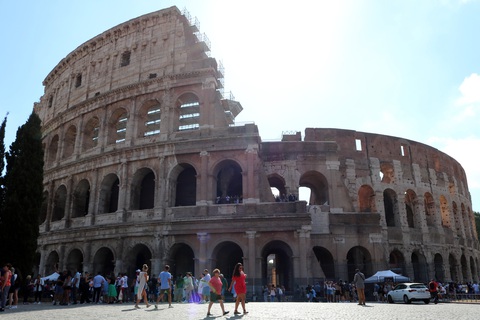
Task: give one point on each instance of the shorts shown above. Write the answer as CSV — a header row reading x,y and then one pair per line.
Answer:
x,y
162,291
215,297
206,290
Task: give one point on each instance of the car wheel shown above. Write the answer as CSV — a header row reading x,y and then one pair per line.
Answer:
x,y
427,301
405,299
390,300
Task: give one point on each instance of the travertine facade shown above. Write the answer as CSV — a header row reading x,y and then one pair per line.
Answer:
x,y
143,164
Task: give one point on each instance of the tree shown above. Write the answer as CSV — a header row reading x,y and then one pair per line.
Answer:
x,y
23,179
2,164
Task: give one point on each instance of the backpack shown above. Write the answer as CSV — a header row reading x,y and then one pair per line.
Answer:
x,y
432,286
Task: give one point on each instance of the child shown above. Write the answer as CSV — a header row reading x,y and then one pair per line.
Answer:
x,y
215,284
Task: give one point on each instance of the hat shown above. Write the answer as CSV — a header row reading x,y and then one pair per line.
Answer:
x,y
138,270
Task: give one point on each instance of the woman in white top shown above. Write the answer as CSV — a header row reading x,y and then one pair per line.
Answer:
x,y
142,284
38,289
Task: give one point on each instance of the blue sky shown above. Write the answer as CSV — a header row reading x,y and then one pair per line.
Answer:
x,y
402,67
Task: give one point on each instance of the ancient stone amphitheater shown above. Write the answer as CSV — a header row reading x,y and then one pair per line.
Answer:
x,y
145,164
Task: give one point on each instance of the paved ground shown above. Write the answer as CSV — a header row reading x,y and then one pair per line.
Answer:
x,y
257,310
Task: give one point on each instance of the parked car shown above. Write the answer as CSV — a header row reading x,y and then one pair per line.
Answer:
x,y
408,292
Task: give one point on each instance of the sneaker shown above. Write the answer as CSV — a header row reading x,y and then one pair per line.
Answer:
x,y
156,307
137,307
236,312
170,306
209,314
39,302
13,307
226,312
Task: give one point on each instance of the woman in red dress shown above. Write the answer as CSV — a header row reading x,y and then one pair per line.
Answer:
x,y
238,282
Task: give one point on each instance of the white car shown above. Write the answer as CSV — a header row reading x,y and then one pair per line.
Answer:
x,y
408,292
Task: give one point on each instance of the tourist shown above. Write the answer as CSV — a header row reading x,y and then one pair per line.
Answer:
x,y
215,284
165,280
142,284
6,276
98,283
224,285
178,292
38,285
189,287
433,288
206,287
359,280
238,281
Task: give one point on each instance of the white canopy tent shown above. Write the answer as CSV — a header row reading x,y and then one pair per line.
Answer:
x,y
381,275
53,277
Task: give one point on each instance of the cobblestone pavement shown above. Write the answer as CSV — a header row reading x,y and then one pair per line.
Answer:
x,y
257,310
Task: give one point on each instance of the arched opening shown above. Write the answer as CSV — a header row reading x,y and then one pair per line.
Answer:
x,y
229,182
359,258
472,270
452,262
396,262
225,256
52,150
463,263
387,172
420,269
90,134
429,209
186,186
277,182
59,203
410,204
391,207
139,255
81,199
277,267
150,116
188,112
109,192
44,209
366,199
117,126
75,261
325,268
143,190
69,142
318,185
439,268
51,265
103,261
181,259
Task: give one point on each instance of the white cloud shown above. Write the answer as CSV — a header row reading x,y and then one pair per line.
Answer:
x,y
470,90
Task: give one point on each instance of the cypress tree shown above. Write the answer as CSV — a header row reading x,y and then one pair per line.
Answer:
x,y
23,196
2,164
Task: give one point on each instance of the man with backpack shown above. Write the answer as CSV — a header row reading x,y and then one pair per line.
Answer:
x,y
433,288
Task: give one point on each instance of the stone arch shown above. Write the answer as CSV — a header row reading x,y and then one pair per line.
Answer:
x,y
457,217
325,268
229,182
143,189
225,256
75,261
366,199
359,258
103,261
188,108
181,259
445,210
90,133
452,263
396,262
318,185
429,204
117,126
439,268
69,142
137,256
81,199
52,150
149,118
44,209
420,268
59,203
277,265
390,203
109,194
51,263
185,185
278,182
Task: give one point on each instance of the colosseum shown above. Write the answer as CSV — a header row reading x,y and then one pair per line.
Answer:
x,y
144,163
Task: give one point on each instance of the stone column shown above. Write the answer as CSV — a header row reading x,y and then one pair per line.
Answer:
x,y
87,258
204,193
303,244
253,277
202,254
250,192
69,203
43,258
